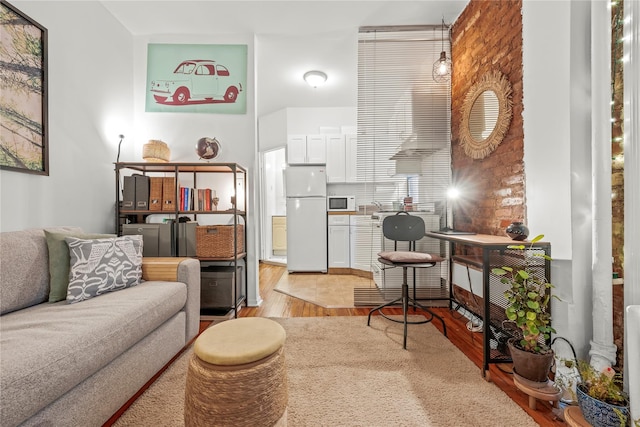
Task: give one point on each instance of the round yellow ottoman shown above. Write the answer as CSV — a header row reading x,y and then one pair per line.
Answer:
x,y
237,375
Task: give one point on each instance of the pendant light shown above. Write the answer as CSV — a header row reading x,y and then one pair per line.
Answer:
x,y
442,67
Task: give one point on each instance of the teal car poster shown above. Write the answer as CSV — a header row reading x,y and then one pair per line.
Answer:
x,y
196,78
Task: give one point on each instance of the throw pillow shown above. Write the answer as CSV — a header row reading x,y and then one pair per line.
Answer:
x,y
103,265
59,260
409,256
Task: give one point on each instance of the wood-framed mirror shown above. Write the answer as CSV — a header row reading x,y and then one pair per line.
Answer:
x,y
486,115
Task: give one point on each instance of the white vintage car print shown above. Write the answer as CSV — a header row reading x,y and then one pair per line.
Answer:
x,y
198,81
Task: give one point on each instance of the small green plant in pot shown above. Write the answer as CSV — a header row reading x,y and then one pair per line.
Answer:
x,y
599,393
528,296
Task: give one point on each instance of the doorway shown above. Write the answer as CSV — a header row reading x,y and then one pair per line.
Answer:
x,y
274,207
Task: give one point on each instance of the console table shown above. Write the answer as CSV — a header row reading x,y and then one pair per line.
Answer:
x,y
485,252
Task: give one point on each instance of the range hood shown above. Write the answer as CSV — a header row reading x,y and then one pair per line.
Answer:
x,y
408,158
410,148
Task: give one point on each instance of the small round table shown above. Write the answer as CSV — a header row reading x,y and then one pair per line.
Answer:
x,y
573,417
543,391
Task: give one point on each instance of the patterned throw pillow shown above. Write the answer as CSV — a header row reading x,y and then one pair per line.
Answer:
x,y
99,266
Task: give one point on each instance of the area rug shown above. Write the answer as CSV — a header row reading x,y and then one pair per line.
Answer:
x,y
343,373
325,290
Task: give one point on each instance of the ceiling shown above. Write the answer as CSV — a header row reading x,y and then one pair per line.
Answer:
x,y
291,37
294,17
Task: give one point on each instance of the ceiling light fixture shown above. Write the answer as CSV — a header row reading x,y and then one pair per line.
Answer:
x,y
442,67
315,78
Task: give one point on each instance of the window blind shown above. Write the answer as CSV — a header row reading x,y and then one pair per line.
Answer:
x,y
404,116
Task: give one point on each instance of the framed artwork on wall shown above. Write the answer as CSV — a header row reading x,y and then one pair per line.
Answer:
x,y
24,143
196,78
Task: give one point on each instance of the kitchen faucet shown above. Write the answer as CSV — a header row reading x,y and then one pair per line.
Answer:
x,y
377,204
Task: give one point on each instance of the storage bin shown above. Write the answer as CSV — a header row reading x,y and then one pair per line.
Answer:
x,y
187,238
157,238
216,289
216,241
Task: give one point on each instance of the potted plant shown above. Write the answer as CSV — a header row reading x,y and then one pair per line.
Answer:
x,y
528,296
599,393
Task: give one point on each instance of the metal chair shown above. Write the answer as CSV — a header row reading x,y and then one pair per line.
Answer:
x,y
403,227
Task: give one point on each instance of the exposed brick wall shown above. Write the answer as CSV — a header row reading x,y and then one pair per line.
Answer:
x,y
488,36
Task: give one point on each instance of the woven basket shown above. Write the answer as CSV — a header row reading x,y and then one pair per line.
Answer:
x,y
216,241
156,151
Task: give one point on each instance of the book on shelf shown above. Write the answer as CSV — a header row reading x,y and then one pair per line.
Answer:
x,y
197,199
207,199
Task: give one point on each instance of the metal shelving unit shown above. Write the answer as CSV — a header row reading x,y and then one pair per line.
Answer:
x,y
237,174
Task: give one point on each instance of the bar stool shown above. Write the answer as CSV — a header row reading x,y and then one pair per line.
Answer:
x,y
403,227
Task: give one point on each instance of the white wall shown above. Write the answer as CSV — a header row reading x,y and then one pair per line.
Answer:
x,y
90,88
557,153
235,132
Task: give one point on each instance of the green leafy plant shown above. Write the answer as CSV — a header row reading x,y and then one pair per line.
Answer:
x,y
605,385
528,300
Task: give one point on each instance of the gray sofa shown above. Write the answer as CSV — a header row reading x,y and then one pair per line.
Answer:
x,y
76,364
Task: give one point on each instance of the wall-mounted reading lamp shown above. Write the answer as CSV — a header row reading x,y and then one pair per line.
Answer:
x,y
119,144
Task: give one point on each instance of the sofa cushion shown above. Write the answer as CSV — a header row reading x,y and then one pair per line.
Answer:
x,y
50,348
59,260
24,269
99,266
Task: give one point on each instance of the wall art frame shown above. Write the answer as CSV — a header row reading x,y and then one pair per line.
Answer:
x,y
24,133
196,78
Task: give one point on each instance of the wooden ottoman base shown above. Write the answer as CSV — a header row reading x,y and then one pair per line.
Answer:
x,y
252,394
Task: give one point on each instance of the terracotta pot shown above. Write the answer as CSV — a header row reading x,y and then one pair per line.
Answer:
x,y
532,366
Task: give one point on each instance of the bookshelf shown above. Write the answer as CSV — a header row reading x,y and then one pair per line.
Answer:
x,y
226,181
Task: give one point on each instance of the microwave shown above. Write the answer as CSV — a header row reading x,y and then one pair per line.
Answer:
x,y
341,203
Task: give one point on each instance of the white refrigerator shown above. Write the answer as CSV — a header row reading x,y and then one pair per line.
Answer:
x,y
306,191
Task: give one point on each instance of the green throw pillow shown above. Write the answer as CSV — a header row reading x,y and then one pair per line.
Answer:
x,y
59,261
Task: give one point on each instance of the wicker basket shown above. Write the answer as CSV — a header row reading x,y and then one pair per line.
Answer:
x,y
156,151
216,241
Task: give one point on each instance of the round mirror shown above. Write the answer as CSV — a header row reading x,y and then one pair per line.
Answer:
x,y
486,115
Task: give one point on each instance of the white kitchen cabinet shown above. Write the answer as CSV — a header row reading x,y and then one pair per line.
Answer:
x,y
336,158
365,239
296,149
279,235
339,241
306,149
341,158
351,158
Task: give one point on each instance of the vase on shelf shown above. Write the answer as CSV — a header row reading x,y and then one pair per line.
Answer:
x,y
517,231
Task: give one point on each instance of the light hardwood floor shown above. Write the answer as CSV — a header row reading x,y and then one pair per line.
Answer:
x,y
276,304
